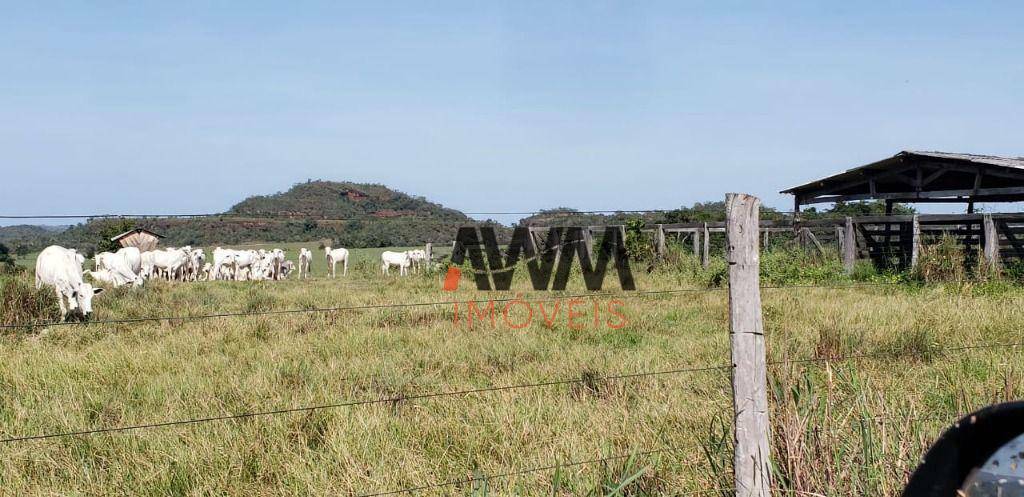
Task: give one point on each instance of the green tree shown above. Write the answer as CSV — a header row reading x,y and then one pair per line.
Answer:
x,y
109,230
5,256
860,208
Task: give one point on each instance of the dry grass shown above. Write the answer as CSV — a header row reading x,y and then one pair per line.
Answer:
x,y
77,377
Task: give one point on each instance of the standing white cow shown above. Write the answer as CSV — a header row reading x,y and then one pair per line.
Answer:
x,y
244,260
61,268
170,263
400,259
223,264
417,258
305,257
334,256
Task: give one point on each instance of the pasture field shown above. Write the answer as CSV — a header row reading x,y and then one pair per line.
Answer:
x,y
842,425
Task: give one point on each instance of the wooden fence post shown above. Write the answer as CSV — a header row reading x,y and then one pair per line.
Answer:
x,y
915,241
751,459
588,240
839,240
430,252
991,242
849,246
705,258
659,236
696,243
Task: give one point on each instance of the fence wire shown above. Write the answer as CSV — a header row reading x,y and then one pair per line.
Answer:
x,y
306,310
355,403
487,478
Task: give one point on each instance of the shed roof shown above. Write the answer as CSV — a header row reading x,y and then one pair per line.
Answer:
x,y
133,231
922,176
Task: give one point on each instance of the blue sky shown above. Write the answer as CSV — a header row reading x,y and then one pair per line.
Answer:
x,y
190,107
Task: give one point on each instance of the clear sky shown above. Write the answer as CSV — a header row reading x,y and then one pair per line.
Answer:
x,y
190,107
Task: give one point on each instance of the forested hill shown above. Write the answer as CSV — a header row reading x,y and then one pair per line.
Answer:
x,y
338,200
343,214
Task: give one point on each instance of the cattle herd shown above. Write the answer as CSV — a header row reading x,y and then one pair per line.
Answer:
x,y
62,268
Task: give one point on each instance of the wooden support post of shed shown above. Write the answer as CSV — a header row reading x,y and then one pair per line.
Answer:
x,y
991,242
849,246
915,241
751,456
705,258
659,238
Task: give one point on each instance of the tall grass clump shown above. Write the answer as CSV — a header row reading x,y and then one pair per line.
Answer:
x,y
21,302
942,262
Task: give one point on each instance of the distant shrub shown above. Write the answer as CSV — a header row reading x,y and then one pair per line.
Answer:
x,y
794,266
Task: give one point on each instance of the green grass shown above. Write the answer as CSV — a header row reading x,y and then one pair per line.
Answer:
x,y
77,377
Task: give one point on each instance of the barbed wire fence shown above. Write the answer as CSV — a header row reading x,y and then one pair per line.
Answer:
x,y
747,367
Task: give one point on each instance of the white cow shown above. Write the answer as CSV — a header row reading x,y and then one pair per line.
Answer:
x,y
305,257
206,273
334,256
278,259
148,269
113,278
400,259
170,263
61,268
244,259
124,267
223,264
194,265
417,258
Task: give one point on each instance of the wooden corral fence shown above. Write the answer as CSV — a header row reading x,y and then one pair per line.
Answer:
x,y
888,241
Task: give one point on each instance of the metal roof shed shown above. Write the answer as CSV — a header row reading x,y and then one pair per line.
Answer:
x,y
141,238
911,176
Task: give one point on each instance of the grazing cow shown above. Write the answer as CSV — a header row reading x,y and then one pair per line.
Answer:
x,y
148,267
334,256
61,268
400,259
124,267
305,257
206,273
417,258
113,278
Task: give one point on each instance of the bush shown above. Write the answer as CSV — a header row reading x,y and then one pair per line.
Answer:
x,y
798,266
21,302
945,261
